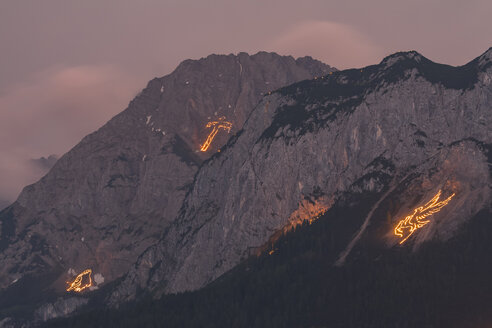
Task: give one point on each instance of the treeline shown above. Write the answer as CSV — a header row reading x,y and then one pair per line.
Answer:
x,y
443,284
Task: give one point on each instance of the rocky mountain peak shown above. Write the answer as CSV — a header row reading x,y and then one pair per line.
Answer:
x,y
315,67
465,77
402,56
211,77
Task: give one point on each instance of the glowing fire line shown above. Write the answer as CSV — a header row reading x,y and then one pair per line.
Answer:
x,y
76,285
406,227
220,124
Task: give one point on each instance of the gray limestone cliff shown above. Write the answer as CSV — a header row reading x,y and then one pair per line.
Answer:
x,y
116,192
425,126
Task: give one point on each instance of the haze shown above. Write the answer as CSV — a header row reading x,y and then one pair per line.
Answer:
x,y
68,66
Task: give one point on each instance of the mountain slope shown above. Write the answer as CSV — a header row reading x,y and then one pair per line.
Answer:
x,y
406,118
442,284
113,194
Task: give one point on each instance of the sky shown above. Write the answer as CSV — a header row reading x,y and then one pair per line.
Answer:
x,y
68,66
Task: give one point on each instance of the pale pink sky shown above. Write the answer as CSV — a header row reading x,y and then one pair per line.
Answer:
x,y
67,66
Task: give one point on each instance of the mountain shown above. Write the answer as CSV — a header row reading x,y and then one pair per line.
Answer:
x,y
382,171
407,129
114,194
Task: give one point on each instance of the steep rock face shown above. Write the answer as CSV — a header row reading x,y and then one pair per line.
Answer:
x,y
426,126
113,194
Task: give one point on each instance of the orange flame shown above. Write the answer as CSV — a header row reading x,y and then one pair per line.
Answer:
x,y
406,227
216,126
76,285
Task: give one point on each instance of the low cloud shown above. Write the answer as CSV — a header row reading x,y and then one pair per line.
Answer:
x,y
51,112
335,44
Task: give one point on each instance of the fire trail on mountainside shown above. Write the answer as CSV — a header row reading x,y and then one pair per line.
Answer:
x,y
407,226
219,124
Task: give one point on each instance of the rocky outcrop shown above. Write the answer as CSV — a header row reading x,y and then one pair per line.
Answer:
x,y
114,194
60,308
424,125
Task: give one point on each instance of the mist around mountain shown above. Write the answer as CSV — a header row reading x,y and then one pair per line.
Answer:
x,y
35,169
44,164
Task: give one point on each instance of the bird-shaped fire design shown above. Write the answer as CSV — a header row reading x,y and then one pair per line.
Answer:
x,y
77,285
406,227
219,124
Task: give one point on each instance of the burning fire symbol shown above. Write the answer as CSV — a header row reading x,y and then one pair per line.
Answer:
x,y
219,124
77,285
406,227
